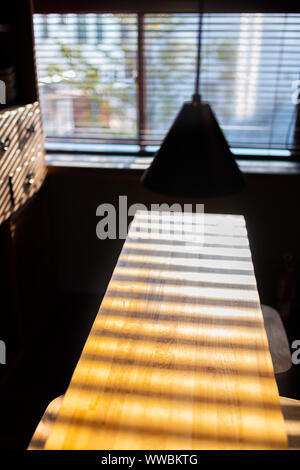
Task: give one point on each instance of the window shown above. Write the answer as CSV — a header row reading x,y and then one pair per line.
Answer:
x,y
99,30
115,82
88,88
82,29
41,27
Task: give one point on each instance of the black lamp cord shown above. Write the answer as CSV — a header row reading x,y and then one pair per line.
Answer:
x,y
196,96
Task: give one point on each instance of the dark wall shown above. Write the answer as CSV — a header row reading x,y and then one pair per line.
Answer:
x,y
84,263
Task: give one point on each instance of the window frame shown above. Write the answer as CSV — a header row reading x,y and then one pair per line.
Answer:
x,y
141,84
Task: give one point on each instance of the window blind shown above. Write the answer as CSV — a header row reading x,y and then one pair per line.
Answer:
x,y
93,69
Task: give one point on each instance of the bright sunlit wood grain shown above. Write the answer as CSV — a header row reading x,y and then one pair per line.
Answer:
x,y
178,356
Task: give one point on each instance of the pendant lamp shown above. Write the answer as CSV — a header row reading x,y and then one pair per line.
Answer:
x,y
194,159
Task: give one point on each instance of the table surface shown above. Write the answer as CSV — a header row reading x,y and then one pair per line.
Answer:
x,y
178,355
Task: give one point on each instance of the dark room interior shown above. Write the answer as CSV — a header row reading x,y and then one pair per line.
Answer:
x,y
93,94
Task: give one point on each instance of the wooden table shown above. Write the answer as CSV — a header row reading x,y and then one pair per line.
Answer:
x,y
178,356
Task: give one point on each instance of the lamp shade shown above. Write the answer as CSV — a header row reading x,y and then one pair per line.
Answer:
x,y
194,159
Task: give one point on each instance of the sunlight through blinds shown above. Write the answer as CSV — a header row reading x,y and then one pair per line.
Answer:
x,y
89,85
